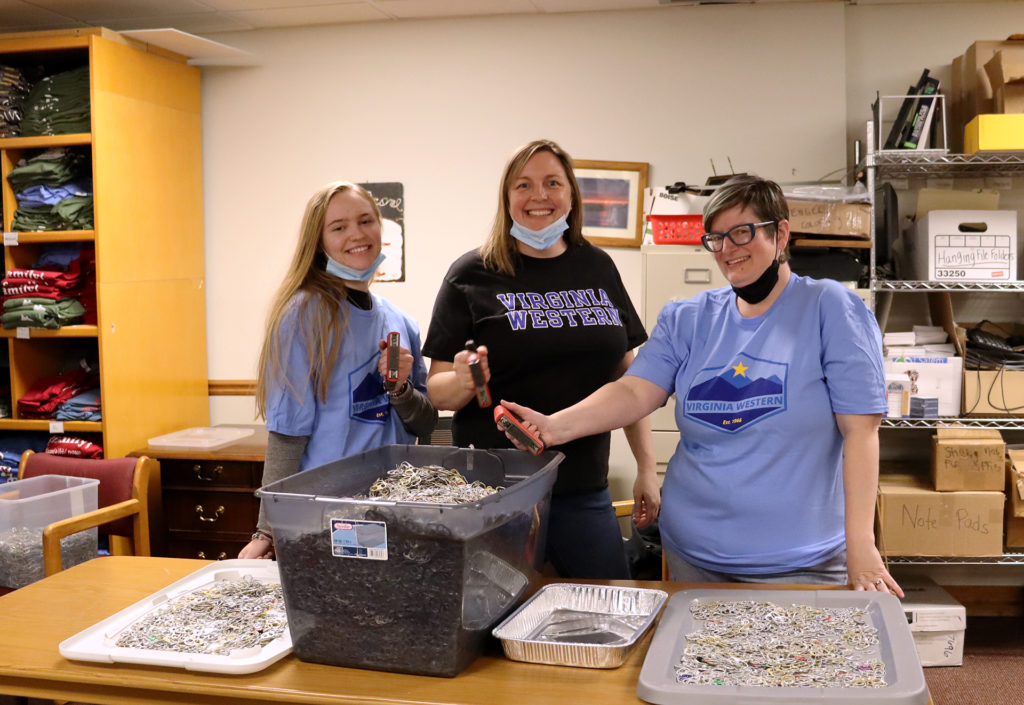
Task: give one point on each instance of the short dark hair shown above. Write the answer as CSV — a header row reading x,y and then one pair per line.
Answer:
x,y
763,196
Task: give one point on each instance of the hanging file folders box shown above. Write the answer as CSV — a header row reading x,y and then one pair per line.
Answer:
x,y
966,246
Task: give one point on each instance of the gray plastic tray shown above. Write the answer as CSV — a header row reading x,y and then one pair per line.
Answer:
x,y
903,673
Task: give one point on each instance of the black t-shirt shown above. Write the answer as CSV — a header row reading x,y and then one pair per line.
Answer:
x,y
555,332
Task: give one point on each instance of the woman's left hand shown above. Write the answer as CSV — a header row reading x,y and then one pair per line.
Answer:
x,y
865,570
405,361
646,499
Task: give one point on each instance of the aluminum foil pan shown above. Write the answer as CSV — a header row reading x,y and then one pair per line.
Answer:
x,y
591,626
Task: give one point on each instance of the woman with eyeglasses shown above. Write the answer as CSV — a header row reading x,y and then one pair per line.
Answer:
x,y
779,386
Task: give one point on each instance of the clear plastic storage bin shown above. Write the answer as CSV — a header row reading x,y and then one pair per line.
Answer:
x,y
405,586
26,508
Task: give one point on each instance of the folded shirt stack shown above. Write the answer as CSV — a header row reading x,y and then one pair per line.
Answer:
x,y
41,313
43,397
14,88
12,445
81,407
73,447
58,105
59,290
54,191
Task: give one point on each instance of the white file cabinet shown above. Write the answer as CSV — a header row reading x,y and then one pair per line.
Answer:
x,y
671,273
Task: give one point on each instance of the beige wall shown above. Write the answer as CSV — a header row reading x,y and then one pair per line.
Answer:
x,y
781,89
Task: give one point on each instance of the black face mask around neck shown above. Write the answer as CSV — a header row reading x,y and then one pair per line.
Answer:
x,y
758,290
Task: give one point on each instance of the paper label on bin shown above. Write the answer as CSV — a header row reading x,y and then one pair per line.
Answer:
x,y
357,538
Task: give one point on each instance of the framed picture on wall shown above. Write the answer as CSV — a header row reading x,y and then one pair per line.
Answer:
x,y
612,201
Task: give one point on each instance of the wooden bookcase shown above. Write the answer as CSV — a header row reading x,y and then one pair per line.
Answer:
x,y
146,152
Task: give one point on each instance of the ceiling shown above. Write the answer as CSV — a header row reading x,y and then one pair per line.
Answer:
x,y
207,16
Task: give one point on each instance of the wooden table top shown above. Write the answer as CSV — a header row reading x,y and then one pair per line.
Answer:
x,y
38,617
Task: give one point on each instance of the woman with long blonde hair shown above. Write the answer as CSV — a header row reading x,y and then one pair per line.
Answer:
x,y
321,384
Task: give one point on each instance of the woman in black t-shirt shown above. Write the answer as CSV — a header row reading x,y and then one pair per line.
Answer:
x,y
552,322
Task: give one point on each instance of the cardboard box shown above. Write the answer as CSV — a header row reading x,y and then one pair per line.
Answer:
x,y
965,246
977,89
915,520
830,218
1005,72
1014,529
936,620
993,393
994,133
1015,482
968,459
930,377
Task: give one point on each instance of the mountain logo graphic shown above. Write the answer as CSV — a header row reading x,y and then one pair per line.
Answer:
x,y
741,393
367,399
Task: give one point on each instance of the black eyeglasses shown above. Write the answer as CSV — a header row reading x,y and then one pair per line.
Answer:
x,y
738,235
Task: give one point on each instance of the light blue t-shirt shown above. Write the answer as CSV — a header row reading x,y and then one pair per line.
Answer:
x,y
357,415
755,485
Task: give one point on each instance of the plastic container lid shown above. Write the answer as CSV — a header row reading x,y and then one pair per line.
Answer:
x,y
200,437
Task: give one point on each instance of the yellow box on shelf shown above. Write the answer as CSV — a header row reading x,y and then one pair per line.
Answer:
x,y
994,133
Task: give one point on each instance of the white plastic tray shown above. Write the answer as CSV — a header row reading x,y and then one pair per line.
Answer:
x,y
97,643
200,437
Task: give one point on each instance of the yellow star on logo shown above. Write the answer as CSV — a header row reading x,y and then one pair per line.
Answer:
x,y
741,370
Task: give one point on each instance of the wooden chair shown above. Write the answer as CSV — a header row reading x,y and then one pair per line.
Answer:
x,y
128,500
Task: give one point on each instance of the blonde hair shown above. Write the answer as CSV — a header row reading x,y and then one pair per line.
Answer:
x,y
499,251
315,298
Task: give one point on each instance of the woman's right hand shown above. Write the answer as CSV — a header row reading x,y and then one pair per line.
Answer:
x,y
450,384
261,547
461,366
536,422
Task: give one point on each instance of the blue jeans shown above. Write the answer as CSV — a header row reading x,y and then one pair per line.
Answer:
x,y
584,539
831,571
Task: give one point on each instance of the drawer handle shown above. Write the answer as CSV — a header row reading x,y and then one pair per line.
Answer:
x,y
221,556
214,474
216,515
692,275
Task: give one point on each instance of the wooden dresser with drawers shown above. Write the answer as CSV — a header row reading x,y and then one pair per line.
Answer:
x,y
209,503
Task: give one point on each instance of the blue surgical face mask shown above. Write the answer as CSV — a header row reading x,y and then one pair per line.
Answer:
x,y
356,275
540,239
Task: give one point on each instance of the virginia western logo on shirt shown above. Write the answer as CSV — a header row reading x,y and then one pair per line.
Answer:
x,y
738,394
367,399
555,309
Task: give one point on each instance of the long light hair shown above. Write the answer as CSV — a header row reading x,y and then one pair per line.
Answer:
x,y
316,297
499,252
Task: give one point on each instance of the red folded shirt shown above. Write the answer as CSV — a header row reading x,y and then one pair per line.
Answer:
x,y
73,447
43,397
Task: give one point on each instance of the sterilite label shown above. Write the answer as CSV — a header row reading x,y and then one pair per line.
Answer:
x,y
356,538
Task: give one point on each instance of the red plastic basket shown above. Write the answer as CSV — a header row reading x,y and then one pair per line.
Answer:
x,y
676,229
